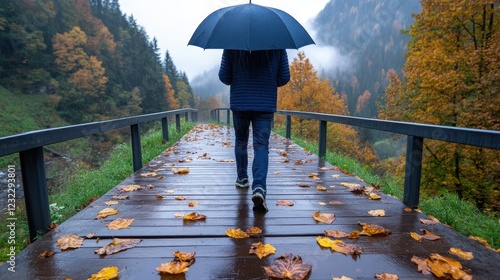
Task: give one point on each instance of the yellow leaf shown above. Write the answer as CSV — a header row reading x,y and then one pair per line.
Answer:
x,y
107,273
106,212
193,216
262,250
446,267
236,233
368,229
339,246
321,188
120,223
69,242
377,213
173,267
185,256
374,196
327,218
461,254
253,231
285,203
416,236
117,245
180,170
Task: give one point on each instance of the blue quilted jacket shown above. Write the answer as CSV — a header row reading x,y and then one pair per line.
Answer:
x,y
254,78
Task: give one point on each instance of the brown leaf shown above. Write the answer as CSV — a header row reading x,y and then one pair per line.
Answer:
x,y
370,229
253,231
236,233
386,276
193,216
149,174
159,197
461,254
336,233
427,221
117,245
327,218
180,197
304,185
111,202
120,223
261,250
334,202
285,203
180,170
339,246
193,204
129,188
185,256
422,265
173,267
288,267
106,212
120,197
46,254
377,213
69,242
321,188
106,273
429,235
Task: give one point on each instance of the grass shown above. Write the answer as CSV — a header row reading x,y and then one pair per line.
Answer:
x,y
85,184
463,216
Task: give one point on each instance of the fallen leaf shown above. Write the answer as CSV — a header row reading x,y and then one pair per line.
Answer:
x,y
120,223
416,236
321,188
334,202
173,267
129,188
180,197
322,203
312,175
117,245
327,218
193,216
336,233
374,196
170,191
106,212
185,256
120,197
339,246
447,268
461,254
303,185
46,254
253,231
482,241
261,250
350,185
90,235
149,174
159,197
107,273
386,276
193,204
422,265
111,202
288,267
377,213
236,233
285,203
429,235
72,241
180,170
408,209
427,221
370,229
342,278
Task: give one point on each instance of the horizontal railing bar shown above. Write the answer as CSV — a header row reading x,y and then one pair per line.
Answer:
x,y
25,141
468,136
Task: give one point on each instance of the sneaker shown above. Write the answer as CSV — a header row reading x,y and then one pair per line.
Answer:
x,y
243,183
259,201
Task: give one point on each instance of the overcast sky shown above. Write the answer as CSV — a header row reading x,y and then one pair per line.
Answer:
x,y
173,23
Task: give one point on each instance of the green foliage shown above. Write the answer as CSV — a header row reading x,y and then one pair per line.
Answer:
x,y
84,184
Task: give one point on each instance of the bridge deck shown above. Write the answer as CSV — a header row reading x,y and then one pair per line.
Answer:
x,y
207,152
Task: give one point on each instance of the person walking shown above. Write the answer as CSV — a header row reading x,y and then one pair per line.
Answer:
x,y
254,78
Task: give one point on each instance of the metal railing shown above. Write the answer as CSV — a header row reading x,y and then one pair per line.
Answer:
x,y
30,145
415,132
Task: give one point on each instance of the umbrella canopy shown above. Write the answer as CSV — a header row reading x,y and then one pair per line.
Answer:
x,y
250,27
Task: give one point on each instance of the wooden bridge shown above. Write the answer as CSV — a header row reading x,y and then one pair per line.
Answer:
x,y
208,189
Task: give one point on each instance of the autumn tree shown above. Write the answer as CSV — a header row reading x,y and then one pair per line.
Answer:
x,y
306,91
173,103
451,78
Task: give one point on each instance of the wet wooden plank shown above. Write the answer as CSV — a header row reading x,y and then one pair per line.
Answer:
x,y
207,152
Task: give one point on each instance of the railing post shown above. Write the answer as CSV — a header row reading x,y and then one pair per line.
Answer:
x,y
288,134
164,128
228,116
35,191
186,116
178,122
413,171
136,147
322,139
218,116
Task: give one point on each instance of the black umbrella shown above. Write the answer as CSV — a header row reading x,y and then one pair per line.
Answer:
x,y
250,27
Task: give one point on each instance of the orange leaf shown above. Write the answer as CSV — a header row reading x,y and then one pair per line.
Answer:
x,y
180,170
253,231
288,267
236,233
193,203
193,216
445,267
69,242
120,223
106,273
185,256
327,218
416,236
180,197
285,203
173,267
106,212
461,254
368,229
261,250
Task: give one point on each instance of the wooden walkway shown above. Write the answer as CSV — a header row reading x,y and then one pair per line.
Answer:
x,y
208,152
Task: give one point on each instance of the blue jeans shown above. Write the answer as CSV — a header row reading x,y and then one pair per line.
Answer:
x,y
261,127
